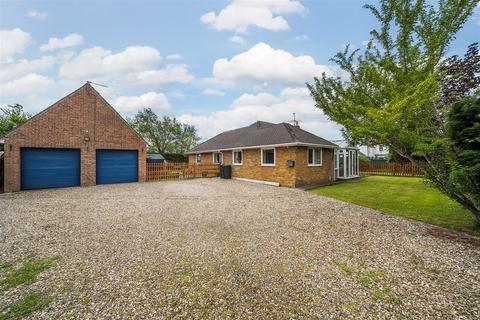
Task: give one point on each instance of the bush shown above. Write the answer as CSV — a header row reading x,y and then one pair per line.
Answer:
x,y
175,157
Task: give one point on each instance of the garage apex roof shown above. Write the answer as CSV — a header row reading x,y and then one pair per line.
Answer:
x,y
259,134
84,87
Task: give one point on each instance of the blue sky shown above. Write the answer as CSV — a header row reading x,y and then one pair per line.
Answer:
x,y
215,64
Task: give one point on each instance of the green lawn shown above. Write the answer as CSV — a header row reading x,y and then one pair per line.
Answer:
x,y
406,197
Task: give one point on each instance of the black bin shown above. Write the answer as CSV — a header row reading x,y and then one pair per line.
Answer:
x,y
226,172
222,174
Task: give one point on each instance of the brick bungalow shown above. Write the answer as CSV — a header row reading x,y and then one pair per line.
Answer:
x,y
78,141
280,154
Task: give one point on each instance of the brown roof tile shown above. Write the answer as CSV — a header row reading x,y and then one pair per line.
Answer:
x,y
261,133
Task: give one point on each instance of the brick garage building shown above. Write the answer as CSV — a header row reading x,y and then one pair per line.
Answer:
x,y
280,153
79,140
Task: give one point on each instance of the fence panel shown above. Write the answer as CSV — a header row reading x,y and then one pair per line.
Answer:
x,y
391,169
173,171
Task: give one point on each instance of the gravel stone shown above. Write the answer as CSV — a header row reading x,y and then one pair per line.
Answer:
x,y
212,248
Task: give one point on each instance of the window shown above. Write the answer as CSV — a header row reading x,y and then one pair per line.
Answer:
x,y
380,148
198,158
314,156
237,157
217,158
268,157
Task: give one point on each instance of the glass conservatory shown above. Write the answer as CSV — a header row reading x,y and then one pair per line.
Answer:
x,y
346,163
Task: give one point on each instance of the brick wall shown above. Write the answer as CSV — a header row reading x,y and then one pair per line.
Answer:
x,y
82,120
313,175
297,176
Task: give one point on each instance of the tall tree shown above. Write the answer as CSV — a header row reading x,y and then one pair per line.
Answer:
x,y
11,117
165,135
399,93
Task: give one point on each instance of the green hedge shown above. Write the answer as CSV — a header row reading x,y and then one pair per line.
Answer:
x,y
175,157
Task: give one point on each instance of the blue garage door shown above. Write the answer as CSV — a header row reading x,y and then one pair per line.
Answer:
x,y
49,168
117,166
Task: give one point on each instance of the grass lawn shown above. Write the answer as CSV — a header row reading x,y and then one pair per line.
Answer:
x,y
406,197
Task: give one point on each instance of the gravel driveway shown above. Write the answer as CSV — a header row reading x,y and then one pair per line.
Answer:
x,y
211,248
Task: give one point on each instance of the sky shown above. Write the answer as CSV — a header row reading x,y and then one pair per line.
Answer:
x,y
217,65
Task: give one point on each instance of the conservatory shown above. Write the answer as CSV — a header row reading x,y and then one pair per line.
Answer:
x,y
346,163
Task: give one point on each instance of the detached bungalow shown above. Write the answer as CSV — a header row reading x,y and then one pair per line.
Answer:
x,y
280,154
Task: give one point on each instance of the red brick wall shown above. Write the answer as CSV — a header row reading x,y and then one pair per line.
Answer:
x,y
82,121
300,175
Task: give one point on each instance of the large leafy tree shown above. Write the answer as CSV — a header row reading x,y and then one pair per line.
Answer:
x,y
400,92
164,135
11,117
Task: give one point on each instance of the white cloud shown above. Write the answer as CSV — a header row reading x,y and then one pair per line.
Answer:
x,y
239,15
39,15
249,108
12,42
172,73
73,39
251,100
263,65
237,39
174,56
28,85
18,68
212,92
131,104
133,66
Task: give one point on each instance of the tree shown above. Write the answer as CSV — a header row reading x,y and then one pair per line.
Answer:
x,y
165,135
399,93
463,129
11,117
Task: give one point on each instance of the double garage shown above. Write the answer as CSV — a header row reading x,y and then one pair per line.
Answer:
x,y
79,141
59,168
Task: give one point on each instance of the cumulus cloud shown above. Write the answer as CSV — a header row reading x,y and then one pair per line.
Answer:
x,y
249,108
172,73
263,65
136,65
27,85
12,42
131,104
239,15
39,15
213,92
237,39
73,39
21,67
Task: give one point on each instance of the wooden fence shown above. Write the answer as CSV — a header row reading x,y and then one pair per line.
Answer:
x,y
391,169
171,171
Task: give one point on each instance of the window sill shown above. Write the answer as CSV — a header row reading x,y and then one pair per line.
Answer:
x,y
268,164
315,165
238,164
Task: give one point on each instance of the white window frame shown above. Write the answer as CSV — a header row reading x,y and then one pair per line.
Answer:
x,y
274,157
213,157
198,156
321,157
233,157
335,160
